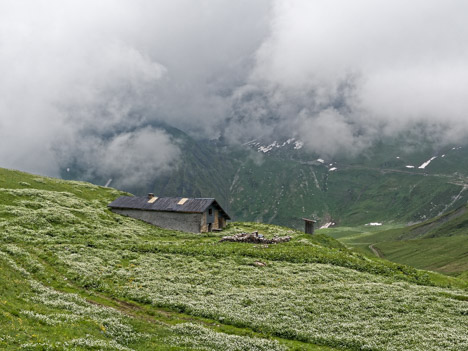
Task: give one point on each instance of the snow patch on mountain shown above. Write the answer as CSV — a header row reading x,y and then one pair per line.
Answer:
x,y
425,164
298,145
327,225
270,147
265,148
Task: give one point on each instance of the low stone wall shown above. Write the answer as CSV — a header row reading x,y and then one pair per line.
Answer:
x,y
186,222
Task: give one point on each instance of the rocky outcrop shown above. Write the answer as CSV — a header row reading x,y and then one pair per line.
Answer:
x,y
255,238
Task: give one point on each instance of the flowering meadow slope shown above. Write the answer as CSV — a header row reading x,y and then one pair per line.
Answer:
x,y
73,275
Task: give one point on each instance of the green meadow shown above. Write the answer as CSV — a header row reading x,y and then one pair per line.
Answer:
x,y
75,276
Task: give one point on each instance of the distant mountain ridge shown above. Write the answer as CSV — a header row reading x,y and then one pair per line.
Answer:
x,y
280,182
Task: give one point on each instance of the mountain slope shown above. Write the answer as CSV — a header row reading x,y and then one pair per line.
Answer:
x,y
92,279
439,244
279,182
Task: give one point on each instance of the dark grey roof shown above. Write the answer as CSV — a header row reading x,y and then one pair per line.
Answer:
x,y
168,204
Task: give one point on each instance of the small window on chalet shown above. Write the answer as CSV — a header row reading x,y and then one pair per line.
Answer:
x,y
210,211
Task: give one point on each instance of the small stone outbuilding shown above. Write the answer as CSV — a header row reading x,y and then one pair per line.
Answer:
x,y
309,225
194,215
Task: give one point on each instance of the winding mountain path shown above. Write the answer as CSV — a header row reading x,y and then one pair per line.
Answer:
x,y
375,251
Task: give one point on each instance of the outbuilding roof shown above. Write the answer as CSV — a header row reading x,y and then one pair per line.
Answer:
x,y
167,204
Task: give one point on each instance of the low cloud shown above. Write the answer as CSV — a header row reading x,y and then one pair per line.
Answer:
x,y
329,133
129,158
86,83
341,75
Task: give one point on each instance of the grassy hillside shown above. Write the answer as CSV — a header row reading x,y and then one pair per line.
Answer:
x,y
439,244
76,276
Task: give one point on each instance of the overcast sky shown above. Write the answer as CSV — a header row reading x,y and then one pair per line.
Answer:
x,y
90,81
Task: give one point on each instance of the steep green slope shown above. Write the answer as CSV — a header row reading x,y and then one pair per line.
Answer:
x,y
445,255
439,244
283,191
102,281
281,183
202,171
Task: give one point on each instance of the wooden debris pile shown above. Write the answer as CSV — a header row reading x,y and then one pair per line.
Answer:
x,y
255,238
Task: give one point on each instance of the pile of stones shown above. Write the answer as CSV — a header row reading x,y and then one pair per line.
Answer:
x,y
255,238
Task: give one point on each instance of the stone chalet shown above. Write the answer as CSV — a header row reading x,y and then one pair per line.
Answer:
x,y
194,215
